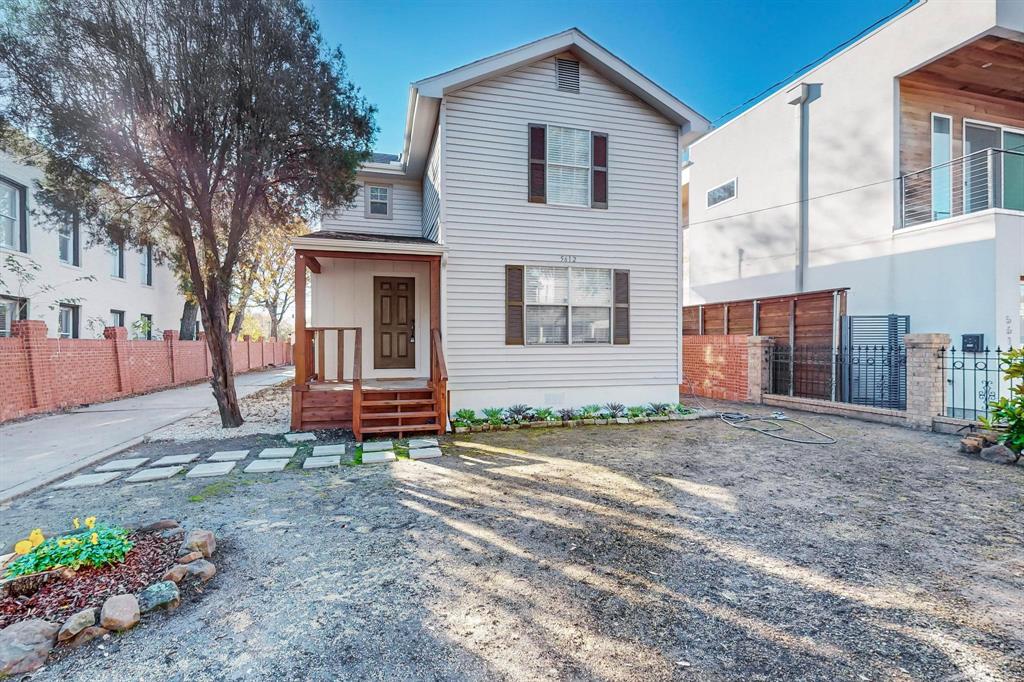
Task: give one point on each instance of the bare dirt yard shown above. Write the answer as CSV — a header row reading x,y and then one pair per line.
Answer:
x,y
680,550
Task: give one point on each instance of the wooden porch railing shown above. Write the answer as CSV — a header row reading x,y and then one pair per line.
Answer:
x,y
316,355
439,378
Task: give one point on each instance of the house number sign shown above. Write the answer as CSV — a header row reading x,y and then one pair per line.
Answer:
x,y
568,259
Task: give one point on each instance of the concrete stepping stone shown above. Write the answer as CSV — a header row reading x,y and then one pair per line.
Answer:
x,y
420,443
324,450
265,466
424,453
228,456
210,469
88,480
174,459
157,474
378,446
277,453
123,464
299,437
377,457
322,462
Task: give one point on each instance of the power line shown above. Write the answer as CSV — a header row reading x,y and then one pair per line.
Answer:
x,y
820,59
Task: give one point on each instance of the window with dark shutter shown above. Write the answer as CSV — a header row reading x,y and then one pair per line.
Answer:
x,y
620,327
599,195
514,316
538,164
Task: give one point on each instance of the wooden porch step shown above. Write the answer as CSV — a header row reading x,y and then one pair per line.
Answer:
x,y
394,428
398,403
397,415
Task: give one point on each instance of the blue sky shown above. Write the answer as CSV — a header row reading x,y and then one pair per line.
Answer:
x,y
713,55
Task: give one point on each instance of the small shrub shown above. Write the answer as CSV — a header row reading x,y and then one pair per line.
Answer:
x,y
590,411
494,416
544,414
614,410
98,545
519,413
636,411
658,409
465,417
567,414
1007,413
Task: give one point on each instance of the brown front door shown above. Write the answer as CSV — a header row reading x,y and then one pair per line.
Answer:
x,y
394,321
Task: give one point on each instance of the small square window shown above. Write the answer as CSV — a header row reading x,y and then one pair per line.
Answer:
x,y
722,193
116,318
378,201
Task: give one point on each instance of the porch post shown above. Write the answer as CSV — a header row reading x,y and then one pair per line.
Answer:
x,y
435,293
301,346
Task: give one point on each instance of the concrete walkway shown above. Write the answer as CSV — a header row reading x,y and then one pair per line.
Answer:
x,y
38,451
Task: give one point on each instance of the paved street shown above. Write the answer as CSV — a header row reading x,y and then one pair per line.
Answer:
x,y
37,451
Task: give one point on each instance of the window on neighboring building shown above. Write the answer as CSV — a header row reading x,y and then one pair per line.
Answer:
x,y
67,321
378,201
116,318
117,261
146,265
548,305
146,326
722,193
67,240
11,309
13,216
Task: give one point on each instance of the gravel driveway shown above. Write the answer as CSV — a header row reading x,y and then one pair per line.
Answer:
x,y
680,550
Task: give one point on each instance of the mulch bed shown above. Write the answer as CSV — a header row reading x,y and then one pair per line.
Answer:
x,y
59,599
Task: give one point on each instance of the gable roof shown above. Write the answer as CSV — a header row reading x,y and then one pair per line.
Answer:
x,y
425,95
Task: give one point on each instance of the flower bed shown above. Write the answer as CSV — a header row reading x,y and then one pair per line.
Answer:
x,y
524,416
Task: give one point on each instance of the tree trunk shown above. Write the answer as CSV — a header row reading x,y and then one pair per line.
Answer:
x,y
187,331
273,326
215,320
236,323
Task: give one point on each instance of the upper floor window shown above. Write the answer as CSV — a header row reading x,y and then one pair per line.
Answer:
x,y
117,261
378,201
146,265
722,193
13,216
567,166
67,240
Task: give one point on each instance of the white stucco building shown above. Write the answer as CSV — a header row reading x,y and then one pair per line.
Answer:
x,y
895,168
77,287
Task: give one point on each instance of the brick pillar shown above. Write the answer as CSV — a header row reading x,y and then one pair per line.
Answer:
x,y
119,337
171,339
40,370
926,385
248,351
757,367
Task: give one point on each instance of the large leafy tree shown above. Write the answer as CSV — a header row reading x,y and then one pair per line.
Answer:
x,y
185,119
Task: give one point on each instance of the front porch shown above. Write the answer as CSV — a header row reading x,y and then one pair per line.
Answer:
x,y
368,351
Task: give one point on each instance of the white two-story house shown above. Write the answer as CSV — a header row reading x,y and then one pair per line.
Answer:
x,y
894,169
52,272
524,248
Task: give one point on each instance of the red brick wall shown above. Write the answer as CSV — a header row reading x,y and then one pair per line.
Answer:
x,y
715,367
42,374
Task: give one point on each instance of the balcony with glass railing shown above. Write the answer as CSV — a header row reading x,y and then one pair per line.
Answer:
x,y
987,179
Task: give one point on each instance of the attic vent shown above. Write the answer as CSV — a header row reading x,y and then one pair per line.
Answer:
x,y
568,75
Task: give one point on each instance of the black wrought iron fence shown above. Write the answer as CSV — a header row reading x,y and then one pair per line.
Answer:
x,y
973,381
874,375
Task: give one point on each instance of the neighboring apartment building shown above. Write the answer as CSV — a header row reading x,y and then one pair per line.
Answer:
x,y
525,248
797,193
128,287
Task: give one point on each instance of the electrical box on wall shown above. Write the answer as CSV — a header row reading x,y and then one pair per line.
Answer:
x,y
972,343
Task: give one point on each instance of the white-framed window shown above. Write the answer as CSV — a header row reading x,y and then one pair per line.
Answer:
x,y
67,321
722,193
146,265
379,201
12,216
567,306
67,240
11,309
568,166
116,318
117,261
146,326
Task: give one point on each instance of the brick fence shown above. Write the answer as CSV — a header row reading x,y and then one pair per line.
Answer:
x,y
724,367
41,374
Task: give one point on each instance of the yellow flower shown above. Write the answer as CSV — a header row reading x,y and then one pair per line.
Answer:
x,y
23,547
90,522
36,537
94,539
75,522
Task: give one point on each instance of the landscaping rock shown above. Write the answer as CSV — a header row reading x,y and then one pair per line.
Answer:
x,y
622,420
202,569
175,573
161,595
188,557
999,454
201,541
87,635
25,645
76,623
120,612
162,524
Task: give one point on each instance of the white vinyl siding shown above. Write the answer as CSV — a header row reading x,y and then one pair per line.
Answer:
x,y
406,215
488,225
432,192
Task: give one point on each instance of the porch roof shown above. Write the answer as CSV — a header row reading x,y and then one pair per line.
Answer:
x,y
338,240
